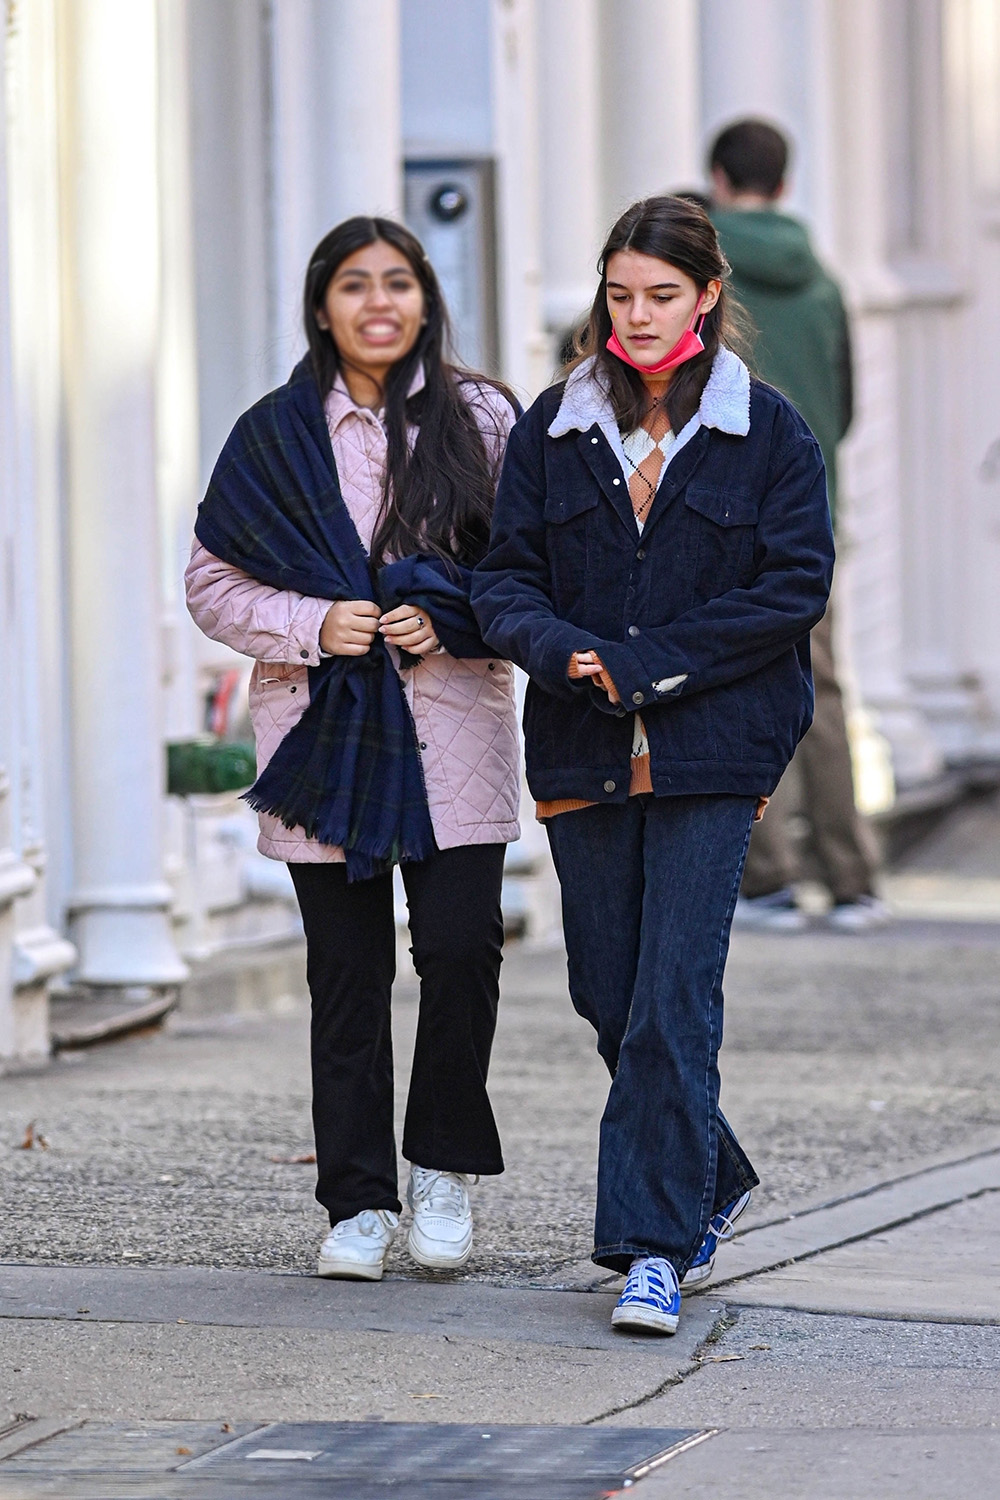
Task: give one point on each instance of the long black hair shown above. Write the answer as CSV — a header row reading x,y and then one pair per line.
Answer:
x,y
680,232
438,496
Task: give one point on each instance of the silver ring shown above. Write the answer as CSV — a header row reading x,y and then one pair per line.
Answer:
x,y
421,620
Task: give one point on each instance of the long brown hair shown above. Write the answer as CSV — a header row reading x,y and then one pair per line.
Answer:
x,y
680,232
438,497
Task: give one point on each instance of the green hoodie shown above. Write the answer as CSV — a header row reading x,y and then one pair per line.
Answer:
x,y
802,344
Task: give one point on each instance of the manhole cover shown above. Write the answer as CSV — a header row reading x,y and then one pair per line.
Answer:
x,y
338,1461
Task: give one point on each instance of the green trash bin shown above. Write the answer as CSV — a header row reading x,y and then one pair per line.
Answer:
x,y
206,764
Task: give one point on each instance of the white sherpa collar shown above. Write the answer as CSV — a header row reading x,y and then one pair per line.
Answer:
x,y
725,401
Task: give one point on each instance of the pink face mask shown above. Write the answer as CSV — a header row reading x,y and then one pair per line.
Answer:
x,y
687,346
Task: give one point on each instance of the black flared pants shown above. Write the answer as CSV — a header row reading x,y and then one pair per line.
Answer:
x,y
457,937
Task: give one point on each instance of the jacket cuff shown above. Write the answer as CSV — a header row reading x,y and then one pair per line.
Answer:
x,y
639,684
550,667
304,627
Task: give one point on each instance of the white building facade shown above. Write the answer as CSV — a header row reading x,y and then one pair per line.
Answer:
x,y
166,167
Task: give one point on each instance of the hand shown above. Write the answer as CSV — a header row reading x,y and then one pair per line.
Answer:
x,y
410,628
349,627
761,805
589,664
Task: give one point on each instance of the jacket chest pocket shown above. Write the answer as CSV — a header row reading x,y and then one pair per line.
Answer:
x,y
724,520
571,515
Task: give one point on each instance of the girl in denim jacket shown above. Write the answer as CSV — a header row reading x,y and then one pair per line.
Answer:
x,y
660,550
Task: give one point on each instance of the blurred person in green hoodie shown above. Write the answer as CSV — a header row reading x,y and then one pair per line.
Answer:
x,y
802,347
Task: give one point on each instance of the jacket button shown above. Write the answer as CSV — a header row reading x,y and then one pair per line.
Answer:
x,y
616,481
633,630
304,653
423,744
609,786
637,697
492,666
641,553
593,440
293,689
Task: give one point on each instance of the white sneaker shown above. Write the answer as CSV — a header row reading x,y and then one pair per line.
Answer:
x,y
356,1248
775,912
865,914
441,1232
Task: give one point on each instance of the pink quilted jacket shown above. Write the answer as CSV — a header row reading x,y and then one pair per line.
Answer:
x,y
463,711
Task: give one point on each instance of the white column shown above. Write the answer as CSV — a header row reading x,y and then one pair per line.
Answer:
x,y
111,280
651,118
944,267
972,97
359,122
301,95
34,458
16,879
570,150
336,133
177,422
23,1017
871,499
524,348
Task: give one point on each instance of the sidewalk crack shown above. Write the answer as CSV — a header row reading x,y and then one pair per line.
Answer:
x,y
726,1320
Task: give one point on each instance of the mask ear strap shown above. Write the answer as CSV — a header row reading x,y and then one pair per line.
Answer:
x,y
694,317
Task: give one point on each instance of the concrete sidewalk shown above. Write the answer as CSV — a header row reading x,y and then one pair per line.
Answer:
x,y
158,1257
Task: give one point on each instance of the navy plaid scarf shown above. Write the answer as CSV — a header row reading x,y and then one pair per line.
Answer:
x,y
349,771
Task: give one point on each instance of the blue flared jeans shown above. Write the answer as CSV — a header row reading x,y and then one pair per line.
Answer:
x,y
648,890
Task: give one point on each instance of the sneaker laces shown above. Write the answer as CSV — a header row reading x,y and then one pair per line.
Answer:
x,y
369,1221
651,1279
722,1227
440,1191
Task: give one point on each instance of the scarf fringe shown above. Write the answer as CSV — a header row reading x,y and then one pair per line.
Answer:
x,y
365,856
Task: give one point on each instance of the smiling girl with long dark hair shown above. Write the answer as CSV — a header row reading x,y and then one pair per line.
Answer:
x,y
335,545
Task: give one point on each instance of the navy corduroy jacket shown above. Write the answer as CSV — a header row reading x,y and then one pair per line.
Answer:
x,y
702,621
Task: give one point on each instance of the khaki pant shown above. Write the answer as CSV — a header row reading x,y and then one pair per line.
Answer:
x,y
818,784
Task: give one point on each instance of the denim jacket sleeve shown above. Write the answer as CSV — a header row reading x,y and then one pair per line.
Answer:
x,y
511,587
740,631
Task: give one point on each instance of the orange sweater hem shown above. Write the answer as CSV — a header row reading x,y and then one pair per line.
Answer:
x,y
640,782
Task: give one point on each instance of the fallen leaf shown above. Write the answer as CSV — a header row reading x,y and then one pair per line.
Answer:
x,y
426,1396
760,1346
185,1451
182,1320
226,1427
83,1309
33,1138
719,1359
306,1159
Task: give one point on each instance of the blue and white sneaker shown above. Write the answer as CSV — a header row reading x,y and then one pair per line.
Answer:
x,y
720,1227
651,1301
